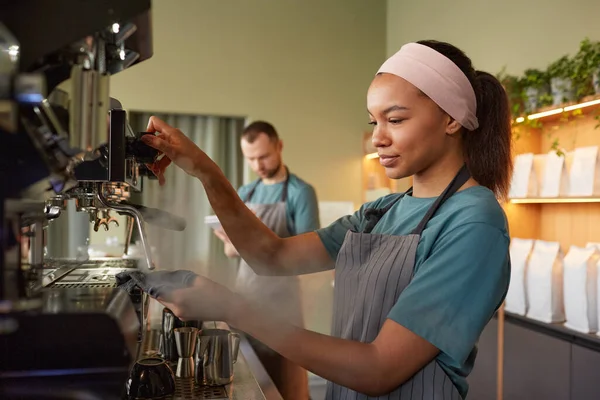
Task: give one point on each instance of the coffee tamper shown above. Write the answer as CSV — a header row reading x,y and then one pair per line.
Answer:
x,y
185,339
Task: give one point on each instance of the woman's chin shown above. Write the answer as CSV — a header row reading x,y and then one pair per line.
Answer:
x,y
396,173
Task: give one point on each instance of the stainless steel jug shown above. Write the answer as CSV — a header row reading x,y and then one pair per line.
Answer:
x,y
170,322
216,353
186,341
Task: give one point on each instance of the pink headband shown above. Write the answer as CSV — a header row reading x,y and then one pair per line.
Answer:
x,y
439,78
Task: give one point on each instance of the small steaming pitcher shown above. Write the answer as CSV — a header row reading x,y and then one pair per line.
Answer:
x,y
216,353
168,347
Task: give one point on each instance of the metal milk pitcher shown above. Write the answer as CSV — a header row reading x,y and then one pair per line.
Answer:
x,y
168,347
216,352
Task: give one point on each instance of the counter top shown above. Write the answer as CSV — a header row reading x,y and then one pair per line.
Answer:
x,y
250,382
558,330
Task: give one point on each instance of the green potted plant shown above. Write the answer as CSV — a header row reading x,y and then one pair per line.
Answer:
x,y
513,86
561,73
534,86
587,67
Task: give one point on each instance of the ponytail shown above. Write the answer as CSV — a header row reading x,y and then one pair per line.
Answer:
x,y
488,149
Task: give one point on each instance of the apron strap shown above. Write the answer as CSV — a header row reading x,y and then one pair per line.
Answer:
x,y
460,179
283,192
373,215
252,190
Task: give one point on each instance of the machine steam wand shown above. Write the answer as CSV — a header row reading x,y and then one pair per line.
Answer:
x,y
137,216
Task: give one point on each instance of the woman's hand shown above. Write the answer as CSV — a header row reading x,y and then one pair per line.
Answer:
x,y
205,300
175,146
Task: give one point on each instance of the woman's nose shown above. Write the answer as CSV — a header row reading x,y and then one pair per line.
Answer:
x,y
380,137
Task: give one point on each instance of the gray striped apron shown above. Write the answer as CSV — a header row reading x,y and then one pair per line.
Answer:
x,y
371,271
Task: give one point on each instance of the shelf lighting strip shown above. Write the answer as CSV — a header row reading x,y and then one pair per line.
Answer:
x,y
558,110
554,200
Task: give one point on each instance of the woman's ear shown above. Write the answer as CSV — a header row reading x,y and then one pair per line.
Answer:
x,y
453,127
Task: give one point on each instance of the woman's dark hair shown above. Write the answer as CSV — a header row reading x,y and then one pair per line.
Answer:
x,y
488,148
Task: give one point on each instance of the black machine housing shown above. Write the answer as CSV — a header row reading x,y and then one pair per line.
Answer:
x,y
63,341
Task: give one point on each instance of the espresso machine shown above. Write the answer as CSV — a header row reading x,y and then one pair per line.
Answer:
x,y
66,330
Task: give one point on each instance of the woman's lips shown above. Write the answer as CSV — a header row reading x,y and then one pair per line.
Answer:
x,y
387,161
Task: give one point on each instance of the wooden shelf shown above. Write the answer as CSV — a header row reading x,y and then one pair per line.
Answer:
x,y
555,200
567,220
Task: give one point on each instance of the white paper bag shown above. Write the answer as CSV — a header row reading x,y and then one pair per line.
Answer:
x,y
580,288
524,180
584,179
516,298
539,163
592,245
555,178
544,285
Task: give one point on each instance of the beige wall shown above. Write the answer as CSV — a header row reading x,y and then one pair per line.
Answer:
x,y
518,34
303,65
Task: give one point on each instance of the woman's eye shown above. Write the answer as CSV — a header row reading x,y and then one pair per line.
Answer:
x,y
395,121
372,123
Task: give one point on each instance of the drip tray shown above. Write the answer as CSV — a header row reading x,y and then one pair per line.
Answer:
x,y
185,389
84,285
89,277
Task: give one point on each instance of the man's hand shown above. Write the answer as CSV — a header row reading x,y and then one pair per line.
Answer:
x,y
220,233
230,250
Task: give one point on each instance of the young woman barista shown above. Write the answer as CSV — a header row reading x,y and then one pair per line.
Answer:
x,y
419,274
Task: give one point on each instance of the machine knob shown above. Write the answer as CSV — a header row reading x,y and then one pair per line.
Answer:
x,y
139,150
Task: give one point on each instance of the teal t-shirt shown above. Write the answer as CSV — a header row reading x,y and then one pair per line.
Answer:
x,y
461,274
302,207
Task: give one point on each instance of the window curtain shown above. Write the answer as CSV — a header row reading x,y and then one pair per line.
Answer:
x,y
196,248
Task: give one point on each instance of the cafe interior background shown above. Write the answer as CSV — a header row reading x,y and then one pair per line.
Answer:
x,y
305,66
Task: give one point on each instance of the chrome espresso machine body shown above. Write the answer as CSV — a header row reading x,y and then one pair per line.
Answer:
x,y
66,331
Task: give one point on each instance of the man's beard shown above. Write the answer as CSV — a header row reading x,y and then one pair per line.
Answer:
x,y
270,174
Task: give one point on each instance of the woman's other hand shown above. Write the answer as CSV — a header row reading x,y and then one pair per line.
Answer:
x,y
205,300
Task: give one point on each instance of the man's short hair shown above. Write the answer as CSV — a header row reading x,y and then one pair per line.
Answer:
x,y
252,131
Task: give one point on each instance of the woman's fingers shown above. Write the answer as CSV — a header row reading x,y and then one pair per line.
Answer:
x,y
156,124
160,143
163,163
159,168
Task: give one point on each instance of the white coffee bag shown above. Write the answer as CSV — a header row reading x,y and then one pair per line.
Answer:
x,y
584,177
580,289
524,180
516,298
555,180
544,285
